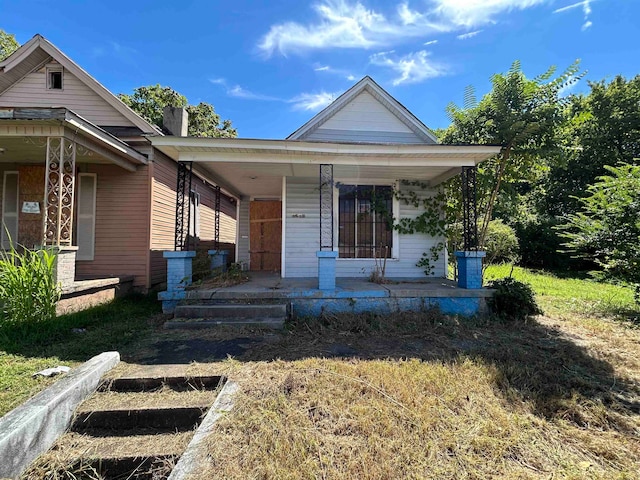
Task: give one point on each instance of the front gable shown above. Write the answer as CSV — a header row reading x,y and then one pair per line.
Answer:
x,y
35,90
365,113
25,82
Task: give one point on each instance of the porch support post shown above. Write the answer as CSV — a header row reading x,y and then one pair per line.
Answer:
x,y
470,259
59,191
179,276
326,255
183,193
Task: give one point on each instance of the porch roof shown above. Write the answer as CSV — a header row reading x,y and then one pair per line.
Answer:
x,y
18,123
255,167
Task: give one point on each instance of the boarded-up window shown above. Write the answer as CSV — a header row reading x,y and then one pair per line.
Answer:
x,y
9,209
365,221
86,220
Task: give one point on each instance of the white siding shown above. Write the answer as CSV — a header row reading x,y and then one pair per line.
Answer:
x,y
364,119
302,239
243,232
32,91
302,232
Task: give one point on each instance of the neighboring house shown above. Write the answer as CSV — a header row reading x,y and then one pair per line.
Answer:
x,y
306,201
78,171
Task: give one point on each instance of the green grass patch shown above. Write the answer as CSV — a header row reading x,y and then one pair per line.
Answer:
x,y
563,295
67,340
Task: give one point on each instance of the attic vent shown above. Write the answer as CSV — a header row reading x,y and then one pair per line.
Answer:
x,y
54,78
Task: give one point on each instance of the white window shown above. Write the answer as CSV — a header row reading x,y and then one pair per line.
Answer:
x,y
54,78
10,203
86,216
194,214
365,221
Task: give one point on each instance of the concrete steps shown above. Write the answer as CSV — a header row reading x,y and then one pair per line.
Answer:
x,y
230,314
134,427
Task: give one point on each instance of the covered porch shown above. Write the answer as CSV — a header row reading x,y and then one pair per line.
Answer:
x,y
48,163
317,265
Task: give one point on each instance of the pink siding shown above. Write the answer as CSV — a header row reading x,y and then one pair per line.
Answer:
x,y
163,215
122,225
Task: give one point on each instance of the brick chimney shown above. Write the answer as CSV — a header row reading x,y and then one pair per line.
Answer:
x,y
175,120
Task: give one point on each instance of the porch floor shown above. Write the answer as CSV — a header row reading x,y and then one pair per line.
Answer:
x,y
272,286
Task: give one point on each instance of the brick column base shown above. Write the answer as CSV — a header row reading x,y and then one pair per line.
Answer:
x,y
218,260
65,266
470,269
327,270
179,276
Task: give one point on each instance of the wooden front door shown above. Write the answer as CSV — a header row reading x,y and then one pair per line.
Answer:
x,y
265,235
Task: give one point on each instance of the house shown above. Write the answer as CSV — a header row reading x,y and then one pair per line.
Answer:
x,y
120,198
78,172
307,202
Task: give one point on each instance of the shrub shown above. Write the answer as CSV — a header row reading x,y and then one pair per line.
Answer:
x,y
512,300
501,243
28,290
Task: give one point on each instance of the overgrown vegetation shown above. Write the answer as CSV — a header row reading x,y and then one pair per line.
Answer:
x,y
28,289
512,300
67,340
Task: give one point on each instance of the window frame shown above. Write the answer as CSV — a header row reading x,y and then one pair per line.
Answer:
x,y
395,210
80,255
3,237
51,70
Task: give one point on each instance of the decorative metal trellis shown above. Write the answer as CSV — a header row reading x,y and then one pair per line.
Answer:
x,y
59,191
216,230
469,209
183,189
326,207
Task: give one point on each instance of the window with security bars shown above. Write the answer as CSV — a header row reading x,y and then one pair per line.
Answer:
x,y
364,221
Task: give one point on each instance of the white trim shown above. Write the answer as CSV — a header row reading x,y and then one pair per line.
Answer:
x,y
54,69
90,255
3,237
237,228
284,228
390,103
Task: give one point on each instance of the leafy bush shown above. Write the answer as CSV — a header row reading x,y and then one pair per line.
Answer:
x,y
512,300
28,290
501,243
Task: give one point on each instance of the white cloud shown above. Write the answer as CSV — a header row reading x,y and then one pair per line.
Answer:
x,y
324,68
472,13
351,78
312,101
586,12
238,92
430,42
218,81
412,68
350,24
465,36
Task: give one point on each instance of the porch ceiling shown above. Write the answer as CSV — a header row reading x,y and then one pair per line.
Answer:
x,y
255,167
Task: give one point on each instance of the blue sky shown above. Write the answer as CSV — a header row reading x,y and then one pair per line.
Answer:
x,y
269,66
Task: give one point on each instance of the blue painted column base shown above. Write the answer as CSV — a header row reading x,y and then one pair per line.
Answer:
x,y
470,269
327,270
179,276
218,260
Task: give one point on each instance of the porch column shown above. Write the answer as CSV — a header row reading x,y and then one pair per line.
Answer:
x,y
58,206
326,255
470,259
183,192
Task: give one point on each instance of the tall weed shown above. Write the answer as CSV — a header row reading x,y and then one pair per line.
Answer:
x,y
28,289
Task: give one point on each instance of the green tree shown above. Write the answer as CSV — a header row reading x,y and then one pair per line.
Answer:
x,y
519,114
8,44
607,228
203,120
604,129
